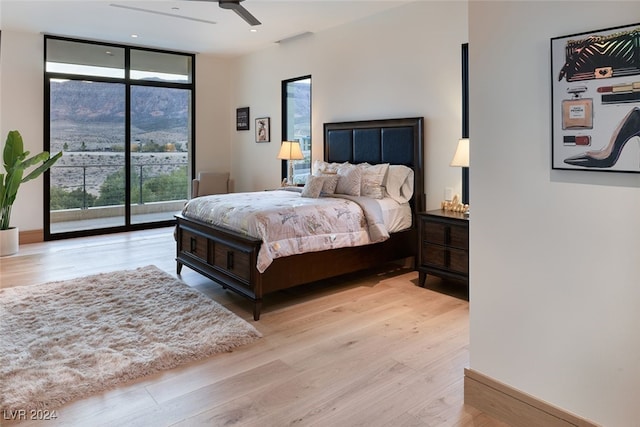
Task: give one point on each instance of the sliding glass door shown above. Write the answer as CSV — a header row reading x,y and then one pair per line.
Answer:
x,y
123,118
159,153
87,186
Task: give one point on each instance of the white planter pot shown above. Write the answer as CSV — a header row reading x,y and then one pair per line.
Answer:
x,y
9,241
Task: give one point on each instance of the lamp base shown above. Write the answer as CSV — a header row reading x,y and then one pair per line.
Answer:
x,y
290,177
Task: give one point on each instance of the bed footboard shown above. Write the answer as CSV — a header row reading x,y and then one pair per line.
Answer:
x,y
230,259
221,255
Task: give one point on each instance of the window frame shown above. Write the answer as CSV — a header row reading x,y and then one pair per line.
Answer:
x,y
285,119
128,82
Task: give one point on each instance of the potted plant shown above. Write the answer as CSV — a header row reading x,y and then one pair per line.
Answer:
x,y
16,164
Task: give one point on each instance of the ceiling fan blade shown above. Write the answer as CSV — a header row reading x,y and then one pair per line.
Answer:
x,y
237,8
240,10
246,15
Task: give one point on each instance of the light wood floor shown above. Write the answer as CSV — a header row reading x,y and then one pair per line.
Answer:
x,y
368,350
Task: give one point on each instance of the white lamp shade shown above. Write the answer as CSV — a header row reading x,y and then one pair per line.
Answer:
x,y
290,150
461,157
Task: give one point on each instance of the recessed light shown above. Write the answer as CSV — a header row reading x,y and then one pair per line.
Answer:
x,y
135,36
253,30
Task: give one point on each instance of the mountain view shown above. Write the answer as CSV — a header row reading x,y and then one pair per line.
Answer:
x,y
88,125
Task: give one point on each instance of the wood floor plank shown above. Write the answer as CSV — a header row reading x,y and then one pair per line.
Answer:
x,y
371,349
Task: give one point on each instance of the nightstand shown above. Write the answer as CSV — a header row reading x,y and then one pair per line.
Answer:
x,y
443,248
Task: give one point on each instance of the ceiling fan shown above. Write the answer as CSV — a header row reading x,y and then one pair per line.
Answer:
x,y
237,8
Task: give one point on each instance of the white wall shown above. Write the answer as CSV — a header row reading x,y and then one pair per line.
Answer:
x,y
21,103
555,271
401,63
214,118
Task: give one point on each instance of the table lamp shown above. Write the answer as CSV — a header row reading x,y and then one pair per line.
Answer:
x,y
289,151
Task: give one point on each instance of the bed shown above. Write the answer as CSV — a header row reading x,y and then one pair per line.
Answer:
x,y
231,257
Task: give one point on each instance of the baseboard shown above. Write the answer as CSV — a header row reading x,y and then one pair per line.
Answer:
x,y
31,236
514,407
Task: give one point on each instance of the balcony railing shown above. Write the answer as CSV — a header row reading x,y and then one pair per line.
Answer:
x,y
96,191
158,191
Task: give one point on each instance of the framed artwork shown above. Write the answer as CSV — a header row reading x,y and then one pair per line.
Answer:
x,y
242,118
595,96
263,132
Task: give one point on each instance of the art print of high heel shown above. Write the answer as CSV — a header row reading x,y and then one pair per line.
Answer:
x,y
628,128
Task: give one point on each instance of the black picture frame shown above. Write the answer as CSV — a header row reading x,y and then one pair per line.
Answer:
x,y
242,118
263,129
595,100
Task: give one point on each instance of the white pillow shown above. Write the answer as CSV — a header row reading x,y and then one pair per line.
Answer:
x,y
399,183
372,178
349,180
320,166
313,187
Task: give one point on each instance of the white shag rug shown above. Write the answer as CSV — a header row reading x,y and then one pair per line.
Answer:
x,y
65,340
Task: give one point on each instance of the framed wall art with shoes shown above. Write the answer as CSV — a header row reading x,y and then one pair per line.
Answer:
x,y
595,93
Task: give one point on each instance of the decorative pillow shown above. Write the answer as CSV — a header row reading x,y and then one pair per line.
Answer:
x,y
399,183
372,178
349,180
322,167
329,183
313,187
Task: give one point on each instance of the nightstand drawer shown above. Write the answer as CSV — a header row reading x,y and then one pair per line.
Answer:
x,y
194,245
443,246
445,234
455,260
232,261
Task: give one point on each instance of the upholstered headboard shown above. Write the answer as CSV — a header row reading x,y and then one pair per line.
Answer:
x,y
394,141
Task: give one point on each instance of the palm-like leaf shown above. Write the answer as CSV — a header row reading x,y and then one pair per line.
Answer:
x,y
15,164
13,149
48,162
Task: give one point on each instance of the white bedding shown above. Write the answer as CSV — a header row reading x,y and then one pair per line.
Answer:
x,y
289,224
396,216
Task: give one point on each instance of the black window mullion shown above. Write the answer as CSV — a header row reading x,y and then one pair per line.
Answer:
x,y
127,138
46,194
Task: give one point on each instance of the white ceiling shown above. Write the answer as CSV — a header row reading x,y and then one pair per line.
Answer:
x,y
225,34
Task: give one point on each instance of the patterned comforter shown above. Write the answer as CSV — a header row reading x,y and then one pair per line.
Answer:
x,y
289,224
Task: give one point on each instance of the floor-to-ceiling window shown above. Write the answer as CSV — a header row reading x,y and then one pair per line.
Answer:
x,y
296,123
123,117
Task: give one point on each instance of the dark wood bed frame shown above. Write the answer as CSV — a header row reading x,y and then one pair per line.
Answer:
x,y
229,258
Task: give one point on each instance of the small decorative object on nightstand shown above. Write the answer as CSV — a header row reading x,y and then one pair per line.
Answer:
x,y
444,245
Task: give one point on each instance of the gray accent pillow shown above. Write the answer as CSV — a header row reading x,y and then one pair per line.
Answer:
x,y
313,187
349,180
329,183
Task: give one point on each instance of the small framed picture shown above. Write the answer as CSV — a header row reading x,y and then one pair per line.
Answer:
x,y
242,118
263,129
